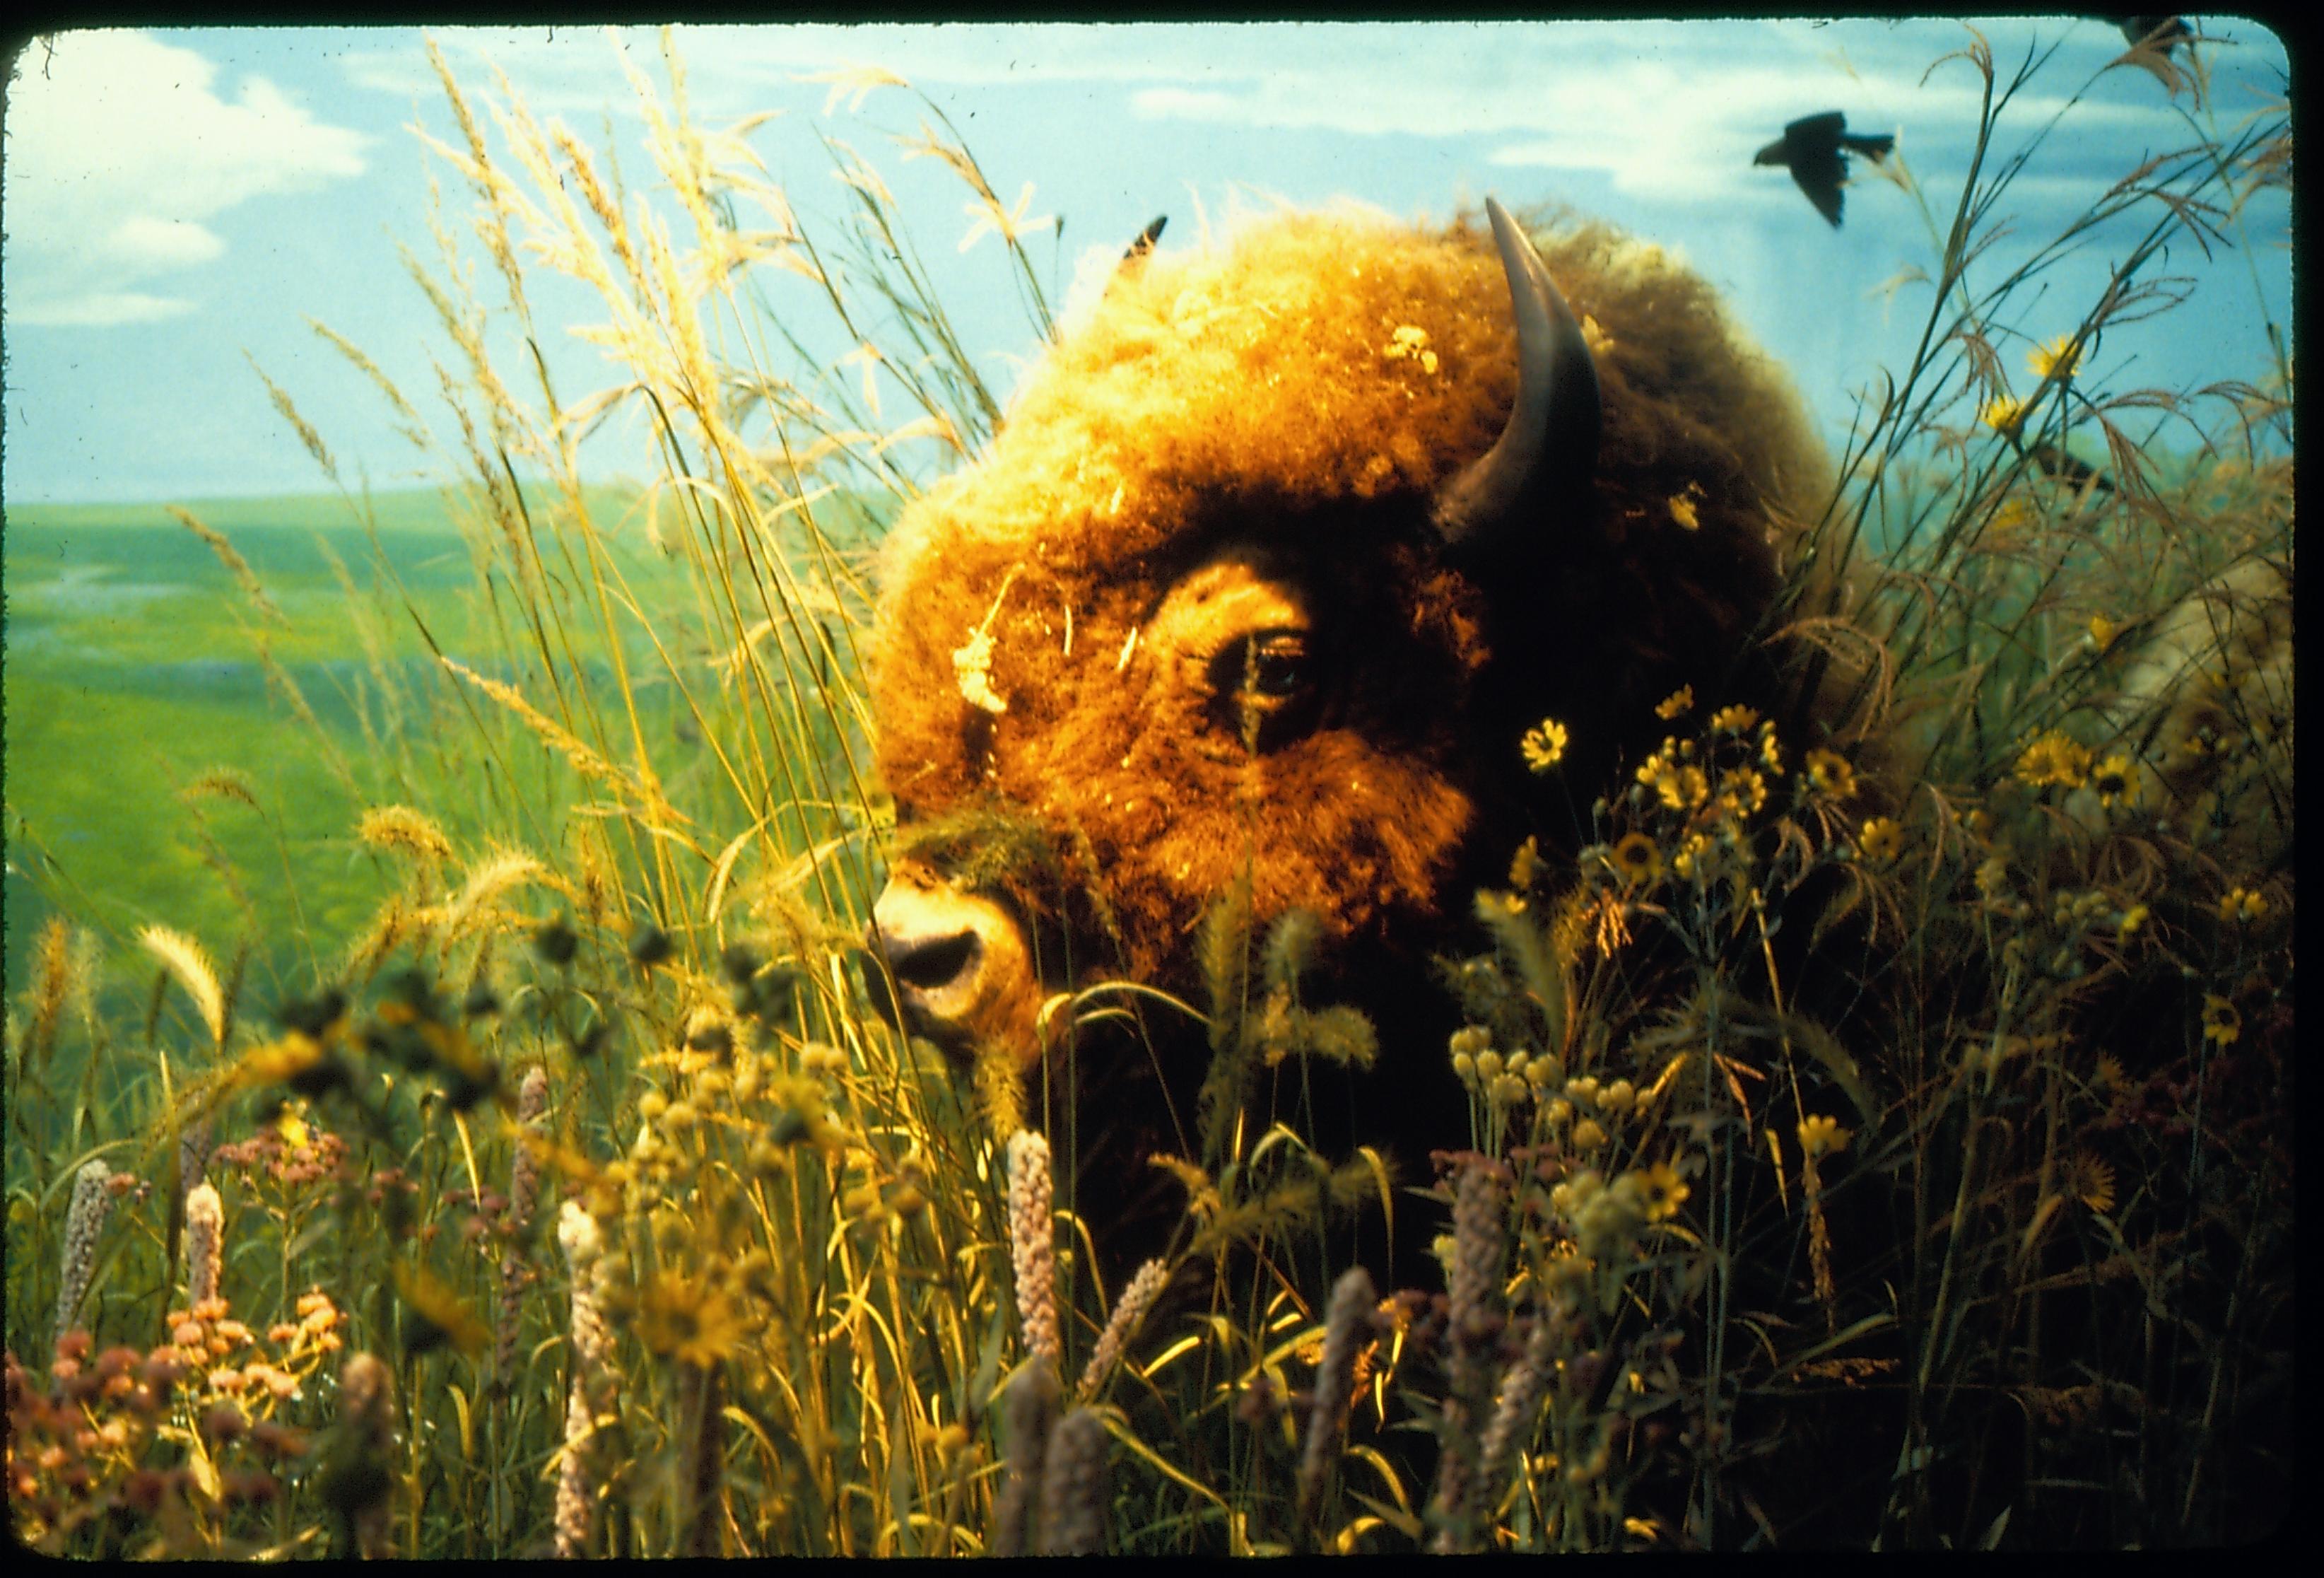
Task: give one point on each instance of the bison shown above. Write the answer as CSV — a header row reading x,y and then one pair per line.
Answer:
x,y
1272,564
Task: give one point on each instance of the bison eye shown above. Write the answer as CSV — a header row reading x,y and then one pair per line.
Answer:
x,y
1263,681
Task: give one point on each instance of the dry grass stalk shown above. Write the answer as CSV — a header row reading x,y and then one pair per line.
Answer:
x,y
524,1195
1128,1311
184,959
205,1242
1073,1487
1346,1324
592,1352
92,1202
401,830
238,566
1032,1250
367,1416
1028,1406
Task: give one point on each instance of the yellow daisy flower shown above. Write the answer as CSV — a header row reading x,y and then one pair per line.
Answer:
x,y
1545,744
1769,752
1664,1191
688,1319
2054,759
2003,414
2242,904
1683,787
439,1315
1637,858
2221,1022
2091,1181
1830,771
2061,356
1734,719
2116,779
1881,839
1676,702
1688,861
2007,523
2131,919
1743,792
1819,1134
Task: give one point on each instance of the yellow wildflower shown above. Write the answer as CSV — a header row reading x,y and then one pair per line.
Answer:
x,y
2103,630
439,1314
2013,517
1733,719
1743,792
1682,788
2131,919
1637,858
2108,1072
1589,1134
2116,779
1688,861
2242,904
2221,1022
2054,759
2060,356
1526,865
1681,510
2091,1181
1820,1134
1676,702
1545,744
2003,414
1830,771
1881,839
1769,752
688,1319
1664,1191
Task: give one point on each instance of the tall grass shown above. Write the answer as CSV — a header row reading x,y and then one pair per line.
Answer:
x,y
1909,1128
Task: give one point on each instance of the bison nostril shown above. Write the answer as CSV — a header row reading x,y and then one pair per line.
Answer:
x,y
930,963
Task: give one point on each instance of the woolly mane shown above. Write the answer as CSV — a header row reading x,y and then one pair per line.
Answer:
x,y
1301,394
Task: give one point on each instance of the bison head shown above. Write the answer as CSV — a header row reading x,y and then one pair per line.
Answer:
x,y
1275,560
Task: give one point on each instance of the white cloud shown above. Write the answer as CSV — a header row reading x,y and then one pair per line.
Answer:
x,y
143,242
101,309
119,147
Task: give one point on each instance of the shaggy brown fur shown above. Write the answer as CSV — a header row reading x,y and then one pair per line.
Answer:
x,y
1274,397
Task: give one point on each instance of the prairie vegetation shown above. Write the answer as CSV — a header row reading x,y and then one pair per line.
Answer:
x,y
495,1151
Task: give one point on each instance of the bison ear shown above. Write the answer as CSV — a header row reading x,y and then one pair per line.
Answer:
x,y
1549,450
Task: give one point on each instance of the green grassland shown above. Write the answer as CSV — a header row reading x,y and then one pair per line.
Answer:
x,y
135,665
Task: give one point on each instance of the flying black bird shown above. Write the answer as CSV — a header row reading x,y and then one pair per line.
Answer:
x,y
1813,148
2165,31
2076,473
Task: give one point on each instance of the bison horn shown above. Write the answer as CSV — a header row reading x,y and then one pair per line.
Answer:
x,y
1550,446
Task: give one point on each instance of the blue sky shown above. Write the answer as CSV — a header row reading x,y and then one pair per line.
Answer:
x,y
181,203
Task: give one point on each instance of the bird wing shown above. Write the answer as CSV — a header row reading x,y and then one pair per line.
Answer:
x,y
1814,131
1819,175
